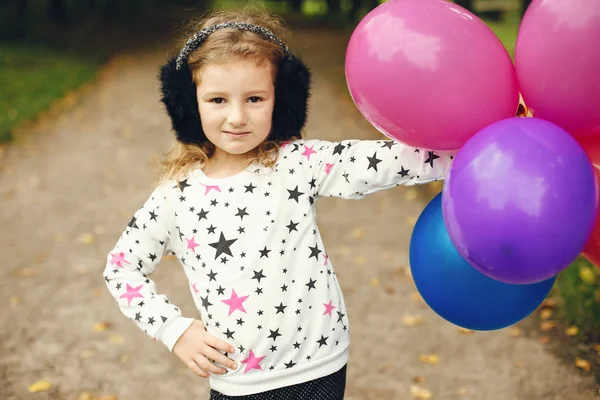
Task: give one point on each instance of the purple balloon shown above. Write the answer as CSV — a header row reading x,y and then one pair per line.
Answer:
x,y
520,200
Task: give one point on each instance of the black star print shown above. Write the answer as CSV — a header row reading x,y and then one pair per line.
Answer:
x,y
250,188
338,149
138,317
373,161
152,257
294,194
290,364
274,334
132,223
151,320
258,275
242,213
205,302
212,275
403,172
314,251
388,144
264,252
152,215
202,214
296,345
431,156
322,341
222,246
311,284
229,334
182,185
284,288
273,348
240,321
292,226
280,308
221,290
340,316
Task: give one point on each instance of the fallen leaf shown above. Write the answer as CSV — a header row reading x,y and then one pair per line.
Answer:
x,y
465,331
411,194
572,330
28,272
98,292
86,396
14,301
417,298
87,353
387,255
358,233
546,326
418,379
546,313
462,392
116,339
390,290
106,398
124,359
544,339
375,282
360,260
549,302
587,275
518,364
583,364
412,320
40,386
86,238
420,393
386,367
431,359
515,331
411,221
597,348
102,326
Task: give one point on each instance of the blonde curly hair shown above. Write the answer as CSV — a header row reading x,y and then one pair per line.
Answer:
x,y
220,47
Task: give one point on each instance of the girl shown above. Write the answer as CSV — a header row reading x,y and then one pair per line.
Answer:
x,y
236,205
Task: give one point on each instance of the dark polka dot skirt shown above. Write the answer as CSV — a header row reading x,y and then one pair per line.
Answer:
x,y
330,387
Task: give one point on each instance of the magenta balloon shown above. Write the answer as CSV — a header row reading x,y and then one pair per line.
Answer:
x,y
557,59
429,73
520,200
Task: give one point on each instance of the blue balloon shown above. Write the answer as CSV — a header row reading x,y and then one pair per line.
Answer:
x,y
458,292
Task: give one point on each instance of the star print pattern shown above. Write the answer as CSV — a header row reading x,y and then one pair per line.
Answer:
x,y
258,270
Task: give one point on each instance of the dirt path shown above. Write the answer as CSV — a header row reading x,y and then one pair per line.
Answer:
x,y
67,194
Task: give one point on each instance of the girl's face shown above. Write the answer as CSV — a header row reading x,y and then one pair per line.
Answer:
x,y
236,101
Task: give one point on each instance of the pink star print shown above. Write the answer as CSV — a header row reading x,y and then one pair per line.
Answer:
x,y
131,293
194,287
283,144
211,187
252,362
328,308
326,257
118,260
191,244
328,167
235,302
308,151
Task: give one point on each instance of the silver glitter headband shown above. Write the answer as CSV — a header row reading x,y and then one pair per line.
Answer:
x,y
196,40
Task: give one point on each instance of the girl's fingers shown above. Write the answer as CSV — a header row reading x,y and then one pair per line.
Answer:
x,y
220,358
207,366
195,369
219,344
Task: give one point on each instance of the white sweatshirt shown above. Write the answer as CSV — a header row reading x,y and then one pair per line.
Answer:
x,y
252,252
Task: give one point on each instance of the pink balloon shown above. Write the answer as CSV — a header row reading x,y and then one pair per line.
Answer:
x,y
557,59
429,73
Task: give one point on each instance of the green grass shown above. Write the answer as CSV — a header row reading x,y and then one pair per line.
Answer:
x,y
32,77
507,30
578,292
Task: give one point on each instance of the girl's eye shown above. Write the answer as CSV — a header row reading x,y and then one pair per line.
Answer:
x,y
254,99
217,100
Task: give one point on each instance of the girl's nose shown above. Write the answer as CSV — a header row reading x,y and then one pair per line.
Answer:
x,y
237,116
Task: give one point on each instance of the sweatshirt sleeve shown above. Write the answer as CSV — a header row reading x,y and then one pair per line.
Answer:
x,y
135,256
352,169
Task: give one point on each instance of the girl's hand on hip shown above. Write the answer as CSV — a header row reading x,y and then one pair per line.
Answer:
x,y
196,348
